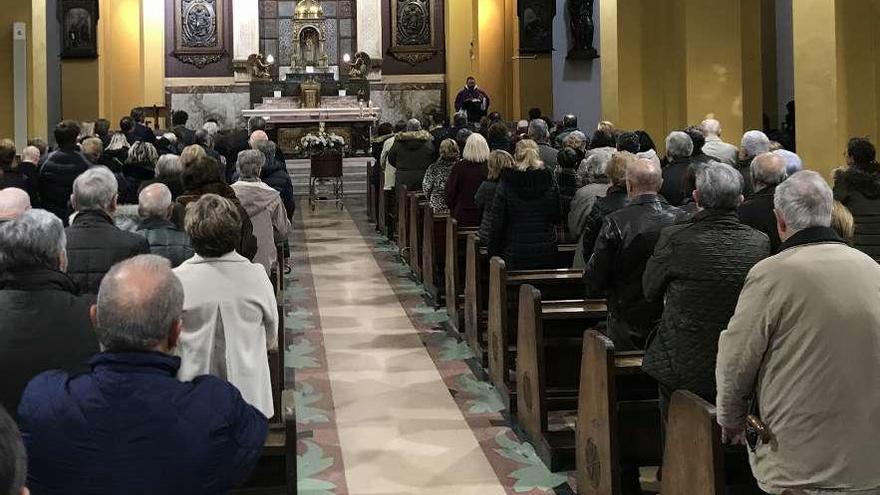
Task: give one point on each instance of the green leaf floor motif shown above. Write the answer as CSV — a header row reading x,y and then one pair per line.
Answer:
x,y
311,463
482,396
299,320
298,355
453,350
534,475
304,397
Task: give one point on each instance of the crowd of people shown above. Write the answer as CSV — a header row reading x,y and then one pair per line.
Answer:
x,y
135,277
745,278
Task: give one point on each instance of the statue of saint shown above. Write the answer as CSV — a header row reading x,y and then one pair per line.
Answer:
x,y
310,52
580,21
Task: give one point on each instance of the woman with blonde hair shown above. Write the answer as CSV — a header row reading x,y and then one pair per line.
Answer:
x,y
191,154
464,180
525,211
842,222
437,175
499,160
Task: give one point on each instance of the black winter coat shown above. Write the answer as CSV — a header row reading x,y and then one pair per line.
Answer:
x,y
275,174
858,188
140,132
757,212
46,326
744,167
14,178
56,180
410,155
622,250
94,245
698,268
483,200
525,212
134,175
567,181
166,240
673,181
615,199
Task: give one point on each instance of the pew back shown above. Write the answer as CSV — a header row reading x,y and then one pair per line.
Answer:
x,y
434,261
693,460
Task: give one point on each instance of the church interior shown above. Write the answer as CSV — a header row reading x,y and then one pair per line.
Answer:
x,y
390,247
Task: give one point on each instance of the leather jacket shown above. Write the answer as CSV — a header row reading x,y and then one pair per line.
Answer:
x,y
622,250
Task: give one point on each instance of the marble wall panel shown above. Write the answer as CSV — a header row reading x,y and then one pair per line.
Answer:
x,y
331,47
225,107
268,28
330,9
403,104
269,8
345,26
285,41
285,9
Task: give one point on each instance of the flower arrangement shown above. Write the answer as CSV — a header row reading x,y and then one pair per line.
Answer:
x,y
320,141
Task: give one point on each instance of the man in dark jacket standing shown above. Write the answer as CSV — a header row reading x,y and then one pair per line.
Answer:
x,y
411,154
128,425
94,244
166,239
767,171
679,147
45,322
185,135
698,269
60,170
622,250
140,132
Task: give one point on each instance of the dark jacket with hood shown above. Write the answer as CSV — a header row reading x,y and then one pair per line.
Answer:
x,y
525,212
94,245
698,269
410,155
44,325
622,250
56,180
247,244
858,188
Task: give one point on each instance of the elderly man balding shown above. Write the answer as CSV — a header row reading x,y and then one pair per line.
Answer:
x,y
715,147
13,202
768,170
622,249
148,431
165,238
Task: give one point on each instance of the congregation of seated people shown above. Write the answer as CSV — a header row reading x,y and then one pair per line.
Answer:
x,y
127,259
744,277
710,256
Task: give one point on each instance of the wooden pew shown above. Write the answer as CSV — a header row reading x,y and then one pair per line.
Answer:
x,y
503,303
402,234
433,258
549,347
693,459
385,207
415,201
618,421
371,192
456,239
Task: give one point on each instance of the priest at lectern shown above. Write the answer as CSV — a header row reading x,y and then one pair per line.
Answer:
x,y
472,100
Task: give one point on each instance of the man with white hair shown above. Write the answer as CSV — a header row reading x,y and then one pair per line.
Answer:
x,y
768,171
13,202
679,147
166,239
801,355
715,147
94,243
754,143
696,273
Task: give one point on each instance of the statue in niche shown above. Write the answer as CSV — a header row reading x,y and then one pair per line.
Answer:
x,y
580,23
309,47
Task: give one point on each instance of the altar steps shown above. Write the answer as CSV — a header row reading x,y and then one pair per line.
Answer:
x,y
354,176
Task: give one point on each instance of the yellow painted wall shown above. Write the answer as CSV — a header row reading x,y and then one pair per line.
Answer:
x,y
79,90
460,35
33,13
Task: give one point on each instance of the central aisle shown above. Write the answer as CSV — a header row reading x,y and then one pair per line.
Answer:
x,y
400,431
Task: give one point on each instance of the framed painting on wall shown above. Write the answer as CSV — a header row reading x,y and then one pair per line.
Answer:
x,y
79,28
412,30
199,31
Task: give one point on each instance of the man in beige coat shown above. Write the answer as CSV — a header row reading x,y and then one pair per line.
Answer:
x,y
805,338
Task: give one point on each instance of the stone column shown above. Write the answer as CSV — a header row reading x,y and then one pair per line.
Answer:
x,y
369,28
245,36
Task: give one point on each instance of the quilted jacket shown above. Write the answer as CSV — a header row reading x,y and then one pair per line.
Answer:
x,y
698,269
94,245
858,188
166,240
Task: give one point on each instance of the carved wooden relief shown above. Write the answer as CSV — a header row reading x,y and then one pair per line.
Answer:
x,y
412,30
199,31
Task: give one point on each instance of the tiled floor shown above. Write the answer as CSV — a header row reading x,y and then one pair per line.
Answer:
x,y
400,431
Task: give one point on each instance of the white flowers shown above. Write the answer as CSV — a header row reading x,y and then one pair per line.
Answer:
x,y
321,141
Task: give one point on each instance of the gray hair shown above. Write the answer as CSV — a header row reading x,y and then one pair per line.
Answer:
x,y
154,201
13,202
538,130
793,163
142,152
576,140
413,125
644,174
768,169
679,145
95,189
249,163
711,127
34,238
117,142
804,200
267,148
595,167
754,143
169,166
138,301
719,186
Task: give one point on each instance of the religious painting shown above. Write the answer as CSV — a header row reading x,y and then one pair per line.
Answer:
x,y
79,28
412,30
199,31
536,25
